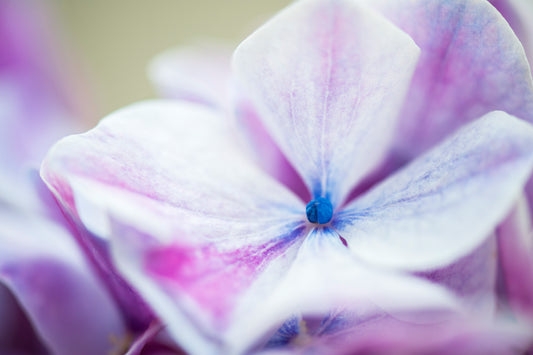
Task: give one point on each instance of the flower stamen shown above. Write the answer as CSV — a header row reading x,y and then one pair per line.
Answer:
x,y
319,210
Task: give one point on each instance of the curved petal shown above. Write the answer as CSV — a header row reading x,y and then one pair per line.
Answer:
x,y
213,299
196,288
519,15
471,63
167,162
328,79
444,204
136,313
68,306
325,277
197,73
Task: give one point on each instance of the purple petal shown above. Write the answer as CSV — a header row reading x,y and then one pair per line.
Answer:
x,y
471,63
442,206
16,333
68,306
515,246
328,79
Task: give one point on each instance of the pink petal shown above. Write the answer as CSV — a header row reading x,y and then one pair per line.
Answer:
x,y
327,78
196,288
471,63
445,204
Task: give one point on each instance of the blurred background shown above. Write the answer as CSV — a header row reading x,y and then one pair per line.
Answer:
x,y
113,40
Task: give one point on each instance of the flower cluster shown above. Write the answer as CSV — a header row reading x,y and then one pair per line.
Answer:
x,y
355,178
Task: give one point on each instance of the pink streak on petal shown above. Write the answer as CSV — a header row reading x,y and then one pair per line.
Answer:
x,y
213,278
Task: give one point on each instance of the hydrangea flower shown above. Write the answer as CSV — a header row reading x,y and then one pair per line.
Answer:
x,y
201,73
225,253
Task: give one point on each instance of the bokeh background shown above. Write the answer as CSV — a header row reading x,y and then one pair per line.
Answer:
x,y
113,40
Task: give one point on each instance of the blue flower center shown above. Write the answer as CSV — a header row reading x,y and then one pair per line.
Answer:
x,y
319,210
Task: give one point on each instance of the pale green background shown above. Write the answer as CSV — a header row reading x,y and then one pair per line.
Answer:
x,y
115,39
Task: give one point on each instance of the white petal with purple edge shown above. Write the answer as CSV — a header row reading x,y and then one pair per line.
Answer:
x,y
328,79
446,203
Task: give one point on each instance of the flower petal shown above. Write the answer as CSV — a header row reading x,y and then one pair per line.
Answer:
x,y
197,73
325,276
183,202
515,246
195,288
446,203
201,73
471,63
383,334
328,79
214,299
519,15
16,333
68,306
169,165
472,278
